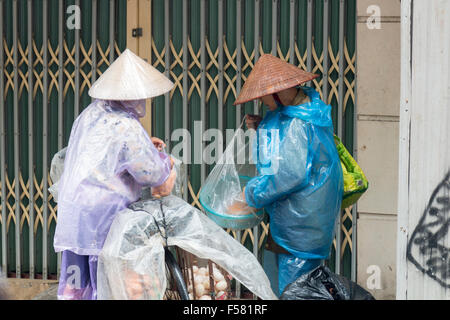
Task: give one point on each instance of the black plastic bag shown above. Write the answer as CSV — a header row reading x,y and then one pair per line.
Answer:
x,y
322,284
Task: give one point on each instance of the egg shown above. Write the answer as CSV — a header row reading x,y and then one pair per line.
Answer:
x,y
202,271
221,285
205,297
217,275
199,290
206,284
221,295
199,279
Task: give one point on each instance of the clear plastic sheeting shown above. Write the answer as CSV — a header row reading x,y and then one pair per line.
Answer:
x,y
221,194
56,171
57,168
135,247
179,186
223,186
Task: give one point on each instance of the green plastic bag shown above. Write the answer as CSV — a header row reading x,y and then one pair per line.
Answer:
x,y
355,182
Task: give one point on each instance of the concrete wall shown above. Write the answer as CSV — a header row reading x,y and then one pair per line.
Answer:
x,y
378,102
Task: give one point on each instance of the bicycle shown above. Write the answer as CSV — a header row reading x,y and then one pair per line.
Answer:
x,y
176,286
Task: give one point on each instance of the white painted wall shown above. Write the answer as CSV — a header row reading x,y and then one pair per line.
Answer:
x,y
378,106
424,161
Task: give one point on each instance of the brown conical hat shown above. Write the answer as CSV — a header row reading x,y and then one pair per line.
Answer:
x,y
271,75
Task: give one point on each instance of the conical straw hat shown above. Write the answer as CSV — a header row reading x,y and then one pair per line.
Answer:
x,y
270,75
129,77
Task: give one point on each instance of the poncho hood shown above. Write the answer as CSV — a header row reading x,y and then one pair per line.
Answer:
x,y
315,111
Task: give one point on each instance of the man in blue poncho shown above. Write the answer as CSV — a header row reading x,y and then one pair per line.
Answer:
x,y
299,181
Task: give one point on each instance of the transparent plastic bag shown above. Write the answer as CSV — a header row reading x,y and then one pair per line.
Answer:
x,y
221,193
135,246
56,170
179,187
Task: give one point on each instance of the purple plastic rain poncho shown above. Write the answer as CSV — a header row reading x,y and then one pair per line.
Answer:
x,y
108,160
78,280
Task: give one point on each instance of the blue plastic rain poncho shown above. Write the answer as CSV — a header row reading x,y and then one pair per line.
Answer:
x,y
299,183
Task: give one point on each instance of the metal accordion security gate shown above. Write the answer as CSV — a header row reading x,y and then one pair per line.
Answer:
x,y
51,51
207,48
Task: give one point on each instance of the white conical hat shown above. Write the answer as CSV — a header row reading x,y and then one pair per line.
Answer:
x,y
130,77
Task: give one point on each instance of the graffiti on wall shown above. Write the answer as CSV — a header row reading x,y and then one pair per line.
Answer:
x,y
428,248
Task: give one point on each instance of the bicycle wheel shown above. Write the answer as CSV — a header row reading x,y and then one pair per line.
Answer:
x,y
176,287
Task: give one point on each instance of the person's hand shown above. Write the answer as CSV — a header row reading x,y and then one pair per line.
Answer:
x,y
240,207
252,121
166,188
158,143
134,285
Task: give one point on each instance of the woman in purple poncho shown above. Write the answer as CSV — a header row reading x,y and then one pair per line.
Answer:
x,y
109,159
